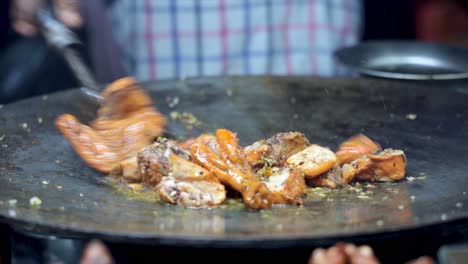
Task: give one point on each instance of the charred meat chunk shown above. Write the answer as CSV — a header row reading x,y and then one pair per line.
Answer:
x,y
153,161
388,165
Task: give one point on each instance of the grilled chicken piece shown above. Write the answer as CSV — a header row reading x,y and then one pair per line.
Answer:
x,y
342,175
191,193
232,169
189,184
313,160
287,186
275,149
126,123
153,161
388,165
356,147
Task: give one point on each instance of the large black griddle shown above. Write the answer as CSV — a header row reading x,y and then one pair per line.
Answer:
x,y
327,110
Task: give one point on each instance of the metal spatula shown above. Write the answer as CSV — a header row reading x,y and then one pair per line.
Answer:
x,y
64,40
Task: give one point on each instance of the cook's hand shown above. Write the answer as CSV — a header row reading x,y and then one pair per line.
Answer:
x,y
343,253
96,252
23,14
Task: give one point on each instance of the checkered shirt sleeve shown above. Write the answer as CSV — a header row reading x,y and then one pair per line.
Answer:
x,y
167,39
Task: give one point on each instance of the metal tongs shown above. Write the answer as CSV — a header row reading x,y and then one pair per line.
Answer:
x,y
63,40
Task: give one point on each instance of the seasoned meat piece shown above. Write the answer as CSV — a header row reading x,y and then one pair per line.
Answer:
x,y
153,162
128,170
313,160
232,169
189,184
126,122
287,186
275,149
342,175
388,165
335,178
356,147
191,193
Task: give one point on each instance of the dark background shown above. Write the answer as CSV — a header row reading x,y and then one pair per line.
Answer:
x,y
383,19
45,71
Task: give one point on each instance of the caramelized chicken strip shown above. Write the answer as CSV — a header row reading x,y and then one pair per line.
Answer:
x,y
275,149
191,193
287,186
356,147
153,161
313,160
388,165
232,169
126,122
189,184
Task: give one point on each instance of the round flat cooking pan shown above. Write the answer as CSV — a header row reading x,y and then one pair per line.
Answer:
x,y
429,124
409,60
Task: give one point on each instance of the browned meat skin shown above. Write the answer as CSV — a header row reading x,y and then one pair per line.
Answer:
x,y
199,193
287,186
356,147
126,122
313,160
232,169
206,139
153,161
277,148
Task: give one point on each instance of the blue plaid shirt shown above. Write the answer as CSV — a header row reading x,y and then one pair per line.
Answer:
x,y
163,39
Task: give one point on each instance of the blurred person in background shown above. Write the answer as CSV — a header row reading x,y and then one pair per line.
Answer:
x,y
442,21
167,39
